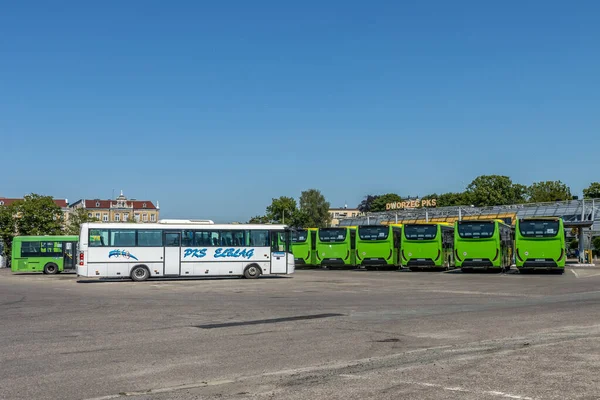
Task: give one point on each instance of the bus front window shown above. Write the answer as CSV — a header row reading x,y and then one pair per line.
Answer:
x,y
476,230
420,232
332,235
373,232
300,236
538,228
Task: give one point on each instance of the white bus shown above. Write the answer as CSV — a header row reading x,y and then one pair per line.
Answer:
x,y
188,248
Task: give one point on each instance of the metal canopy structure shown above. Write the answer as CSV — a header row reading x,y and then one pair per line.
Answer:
x,y
570,211
583,214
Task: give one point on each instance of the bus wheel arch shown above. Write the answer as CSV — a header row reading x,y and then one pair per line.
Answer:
x,y
252,271
50,268
140,273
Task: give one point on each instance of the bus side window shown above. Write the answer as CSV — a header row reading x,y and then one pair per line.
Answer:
x,y
98,237
259,238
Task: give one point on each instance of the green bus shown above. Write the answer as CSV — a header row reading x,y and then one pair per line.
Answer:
x,y
378,246
484,245
427,246
540,244
304,242
47,254
335,247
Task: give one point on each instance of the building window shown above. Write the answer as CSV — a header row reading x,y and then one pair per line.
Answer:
x,y
137,217
144,217
144,205
152,217
98,216
97,204
118,217
105,217
125,217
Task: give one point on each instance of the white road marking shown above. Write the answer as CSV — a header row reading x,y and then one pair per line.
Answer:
x,y
465,390
575,273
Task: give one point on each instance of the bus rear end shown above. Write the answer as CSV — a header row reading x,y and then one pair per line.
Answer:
x,y
377,247
422,246
82,267
302,247
477,245
540,245
335,247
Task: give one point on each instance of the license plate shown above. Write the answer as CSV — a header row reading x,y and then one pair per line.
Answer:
x,y
540,259
477,259
420,259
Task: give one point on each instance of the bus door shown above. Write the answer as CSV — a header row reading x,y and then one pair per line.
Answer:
x,y
69,255
172,253
278,253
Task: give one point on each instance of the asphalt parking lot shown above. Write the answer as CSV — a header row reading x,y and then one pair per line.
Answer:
x,y
316,334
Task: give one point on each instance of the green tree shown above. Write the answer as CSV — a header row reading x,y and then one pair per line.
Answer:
x,y
366,205
78,217
314,209
453,199
258,219
38,215
493,190
547,191
380,202
592,192
282,209
7,227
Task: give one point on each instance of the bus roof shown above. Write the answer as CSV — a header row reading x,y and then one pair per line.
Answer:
x,y
540,219
64,238
124,225
186,221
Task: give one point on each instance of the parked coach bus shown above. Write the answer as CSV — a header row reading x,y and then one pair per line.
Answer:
x,y
335,247
427,246
141,251
540,244
47,254
378,246
304,243
485,245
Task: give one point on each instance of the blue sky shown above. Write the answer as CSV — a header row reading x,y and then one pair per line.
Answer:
x,y
214,108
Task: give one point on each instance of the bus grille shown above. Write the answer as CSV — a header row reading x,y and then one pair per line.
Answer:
x,y
484,262
428,262
537,263
374,261
332,261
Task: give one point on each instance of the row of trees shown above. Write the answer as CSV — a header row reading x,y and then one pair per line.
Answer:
x,y
37,215
490,190
312,210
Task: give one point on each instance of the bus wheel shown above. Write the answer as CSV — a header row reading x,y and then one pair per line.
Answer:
x,y
51,269
139,273
252,271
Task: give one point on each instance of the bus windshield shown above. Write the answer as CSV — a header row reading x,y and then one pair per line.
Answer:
x,y
300,236
373,232
538,228
476,230
420,232
332,235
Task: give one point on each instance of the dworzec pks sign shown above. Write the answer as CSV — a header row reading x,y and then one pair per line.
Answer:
x,y
401,205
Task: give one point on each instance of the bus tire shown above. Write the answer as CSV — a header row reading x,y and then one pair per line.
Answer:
x,y
51,269
252,271
140,273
